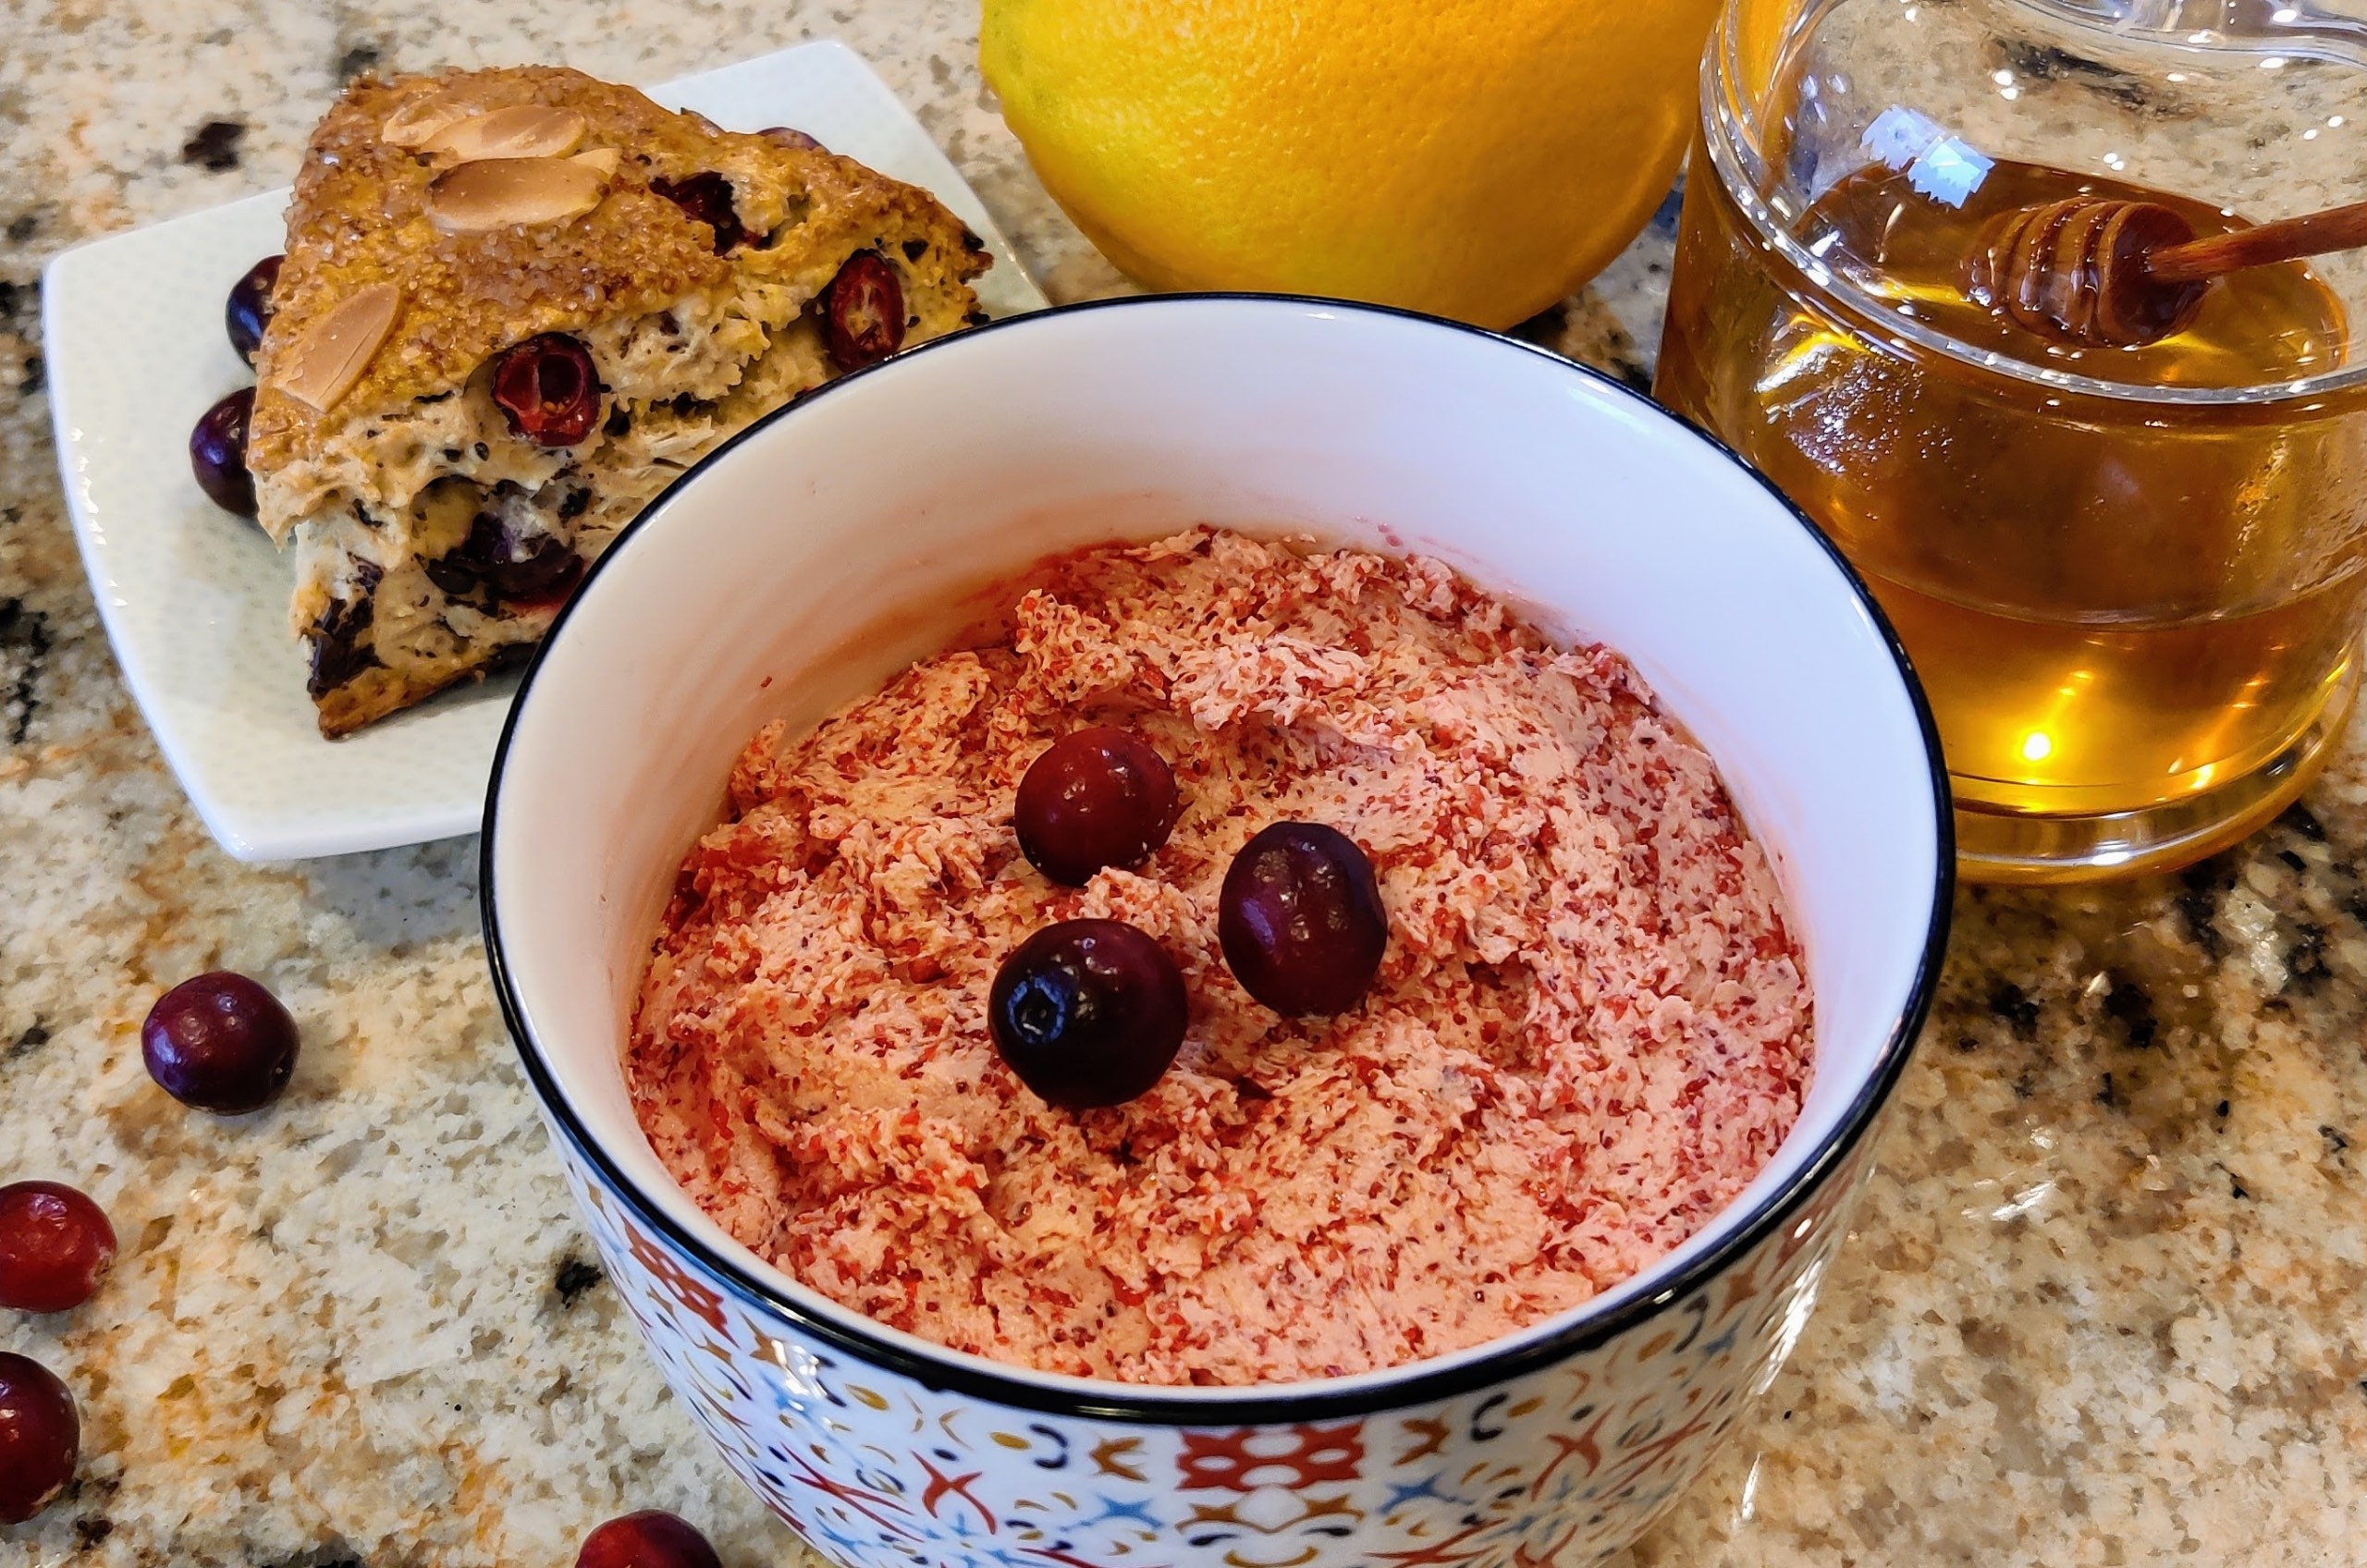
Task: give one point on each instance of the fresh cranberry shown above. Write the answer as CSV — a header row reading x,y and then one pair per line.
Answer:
x,y
219,1042
547,389
1088,1013
789,138
54,1242
1300,919
250,309
40,1436
865,308
217,453
707,198
649,1539
1098,797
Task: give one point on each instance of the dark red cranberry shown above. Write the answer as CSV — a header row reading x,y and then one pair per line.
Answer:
x,y
454,575
54,1242
1300,919
1088,1013
1099,797
217,453
219,1042
40,1437
649,1539
790,138
707,198
547,389
517,566
863,306
250,309
337,651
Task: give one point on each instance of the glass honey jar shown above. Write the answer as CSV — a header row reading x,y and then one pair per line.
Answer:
x,y
2132,576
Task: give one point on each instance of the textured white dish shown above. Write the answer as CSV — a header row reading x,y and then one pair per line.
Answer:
x,y
195,601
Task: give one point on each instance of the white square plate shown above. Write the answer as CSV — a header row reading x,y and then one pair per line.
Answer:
x,y
195,600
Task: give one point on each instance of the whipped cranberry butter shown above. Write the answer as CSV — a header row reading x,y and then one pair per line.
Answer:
x,y
1441,989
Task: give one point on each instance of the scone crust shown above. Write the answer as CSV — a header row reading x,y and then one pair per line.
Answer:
x,y
359,217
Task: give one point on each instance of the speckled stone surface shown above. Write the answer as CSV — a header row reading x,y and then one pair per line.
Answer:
x,y
2106,1302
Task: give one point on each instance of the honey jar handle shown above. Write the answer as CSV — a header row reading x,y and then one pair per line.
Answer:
x,y
2312,234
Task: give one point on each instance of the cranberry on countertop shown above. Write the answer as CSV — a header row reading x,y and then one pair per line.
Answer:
x,y
221,1043
1099,797
863,312
217,453
547,389
1088,1013
41,1436
649,1539
54,1242
249,307
1300,919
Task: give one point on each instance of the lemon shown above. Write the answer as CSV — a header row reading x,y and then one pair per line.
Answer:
x,y
1477,161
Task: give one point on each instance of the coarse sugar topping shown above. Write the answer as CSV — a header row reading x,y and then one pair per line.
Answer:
x,y
1589,1031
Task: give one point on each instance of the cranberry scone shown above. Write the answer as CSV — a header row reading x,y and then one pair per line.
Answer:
x,y
516,305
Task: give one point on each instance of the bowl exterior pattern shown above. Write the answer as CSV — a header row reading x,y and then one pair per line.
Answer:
x,y
880,1470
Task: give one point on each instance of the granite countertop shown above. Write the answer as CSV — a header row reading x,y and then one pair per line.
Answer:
x,y
2106,1301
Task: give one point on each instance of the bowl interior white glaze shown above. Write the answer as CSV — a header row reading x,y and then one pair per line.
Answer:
x,y
822,552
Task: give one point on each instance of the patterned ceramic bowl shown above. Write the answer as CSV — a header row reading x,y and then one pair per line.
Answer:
x,y
764,586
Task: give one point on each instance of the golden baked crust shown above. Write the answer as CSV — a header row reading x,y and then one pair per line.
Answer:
x,y
358,217
379,491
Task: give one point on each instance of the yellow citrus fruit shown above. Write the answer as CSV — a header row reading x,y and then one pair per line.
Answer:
x,y
1476,160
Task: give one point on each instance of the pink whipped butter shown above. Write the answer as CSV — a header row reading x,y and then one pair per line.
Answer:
x,y
1590,1030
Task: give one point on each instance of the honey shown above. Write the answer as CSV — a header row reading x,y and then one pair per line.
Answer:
x,y
2119,603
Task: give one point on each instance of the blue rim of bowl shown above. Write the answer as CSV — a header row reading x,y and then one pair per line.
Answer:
x,y
1150,1404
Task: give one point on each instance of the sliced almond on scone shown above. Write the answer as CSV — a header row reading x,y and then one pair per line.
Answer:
x,y
336,348
567,334
498,192
523,130
422,119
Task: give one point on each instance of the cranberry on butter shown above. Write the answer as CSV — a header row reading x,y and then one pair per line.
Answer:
x,y
1300,919
1088,1013
1099,797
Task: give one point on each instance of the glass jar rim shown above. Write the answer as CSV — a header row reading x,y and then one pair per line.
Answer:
x,y
1731,149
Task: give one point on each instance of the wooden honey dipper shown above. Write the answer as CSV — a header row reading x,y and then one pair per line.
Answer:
x,y
2100,271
